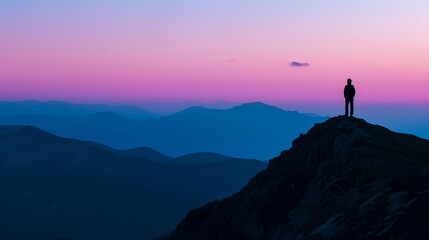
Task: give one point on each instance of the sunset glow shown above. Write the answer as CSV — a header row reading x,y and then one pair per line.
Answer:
x,y
230,50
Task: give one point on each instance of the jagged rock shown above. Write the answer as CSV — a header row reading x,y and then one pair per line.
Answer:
x,y
344,179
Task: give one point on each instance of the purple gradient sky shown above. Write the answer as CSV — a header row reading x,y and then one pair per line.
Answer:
x,y
133,51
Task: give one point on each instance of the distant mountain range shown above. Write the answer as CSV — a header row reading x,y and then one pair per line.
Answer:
x,y
57,188
253,130
344,179
70,110
188,159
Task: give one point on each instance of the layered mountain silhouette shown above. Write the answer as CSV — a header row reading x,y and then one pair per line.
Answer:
x,y
189,159
253,130
57,188
70,110
344,179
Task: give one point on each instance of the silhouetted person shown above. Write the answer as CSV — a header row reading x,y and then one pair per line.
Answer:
x,y
349,94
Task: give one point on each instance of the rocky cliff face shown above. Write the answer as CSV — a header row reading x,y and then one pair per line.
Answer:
x,y
344,179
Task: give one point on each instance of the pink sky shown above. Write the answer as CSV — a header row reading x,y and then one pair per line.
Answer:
x,y
236,50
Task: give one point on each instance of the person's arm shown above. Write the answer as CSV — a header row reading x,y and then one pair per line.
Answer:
x,y
353,91
345,92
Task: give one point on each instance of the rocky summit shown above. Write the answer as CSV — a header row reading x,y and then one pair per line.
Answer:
x,y
344,179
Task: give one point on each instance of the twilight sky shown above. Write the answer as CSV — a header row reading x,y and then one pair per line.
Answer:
x,y
134,51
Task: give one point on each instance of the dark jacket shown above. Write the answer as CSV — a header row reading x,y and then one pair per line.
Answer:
x,y
349,91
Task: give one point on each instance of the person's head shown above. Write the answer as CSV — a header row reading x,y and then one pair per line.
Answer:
x,y
349,81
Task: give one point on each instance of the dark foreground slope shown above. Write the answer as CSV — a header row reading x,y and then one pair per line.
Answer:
x,y
344,179
57,188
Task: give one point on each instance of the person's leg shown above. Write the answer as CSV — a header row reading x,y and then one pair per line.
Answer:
x,y
351,107
347,108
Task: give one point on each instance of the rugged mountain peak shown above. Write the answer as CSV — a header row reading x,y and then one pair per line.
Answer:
x,y
344,179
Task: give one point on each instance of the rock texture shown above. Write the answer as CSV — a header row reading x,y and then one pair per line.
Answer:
x,y
344,179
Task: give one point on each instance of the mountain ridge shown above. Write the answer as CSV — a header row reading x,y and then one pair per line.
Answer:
x,y
57,188
252,131
67,109
344,179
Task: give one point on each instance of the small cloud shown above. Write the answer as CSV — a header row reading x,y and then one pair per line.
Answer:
x,y
299,64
